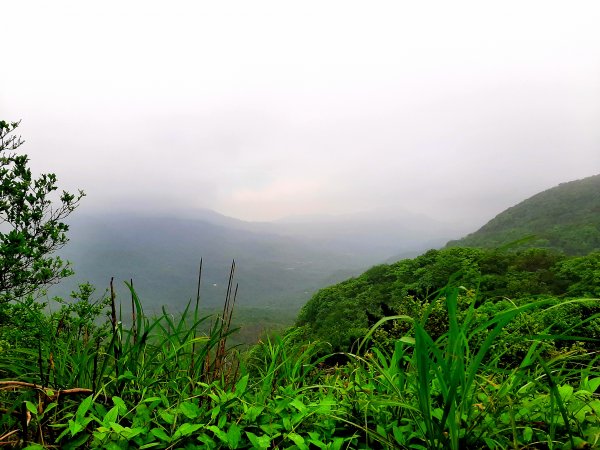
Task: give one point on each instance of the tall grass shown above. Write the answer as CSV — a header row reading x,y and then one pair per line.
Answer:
x,y
452,393
173,382
164,354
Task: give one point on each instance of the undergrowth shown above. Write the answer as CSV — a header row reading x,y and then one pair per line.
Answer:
x,y
88,381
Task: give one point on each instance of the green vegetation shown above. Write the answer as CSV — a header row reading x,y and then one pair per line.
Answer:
x,y
32,222
458,348
162,383
565,218
343,314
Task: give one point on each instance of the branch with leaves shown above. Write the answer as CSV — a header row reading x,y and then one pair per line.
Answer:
x,y
32,224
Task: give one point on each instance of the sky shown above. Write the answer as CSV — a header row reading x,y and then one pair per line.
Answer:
x,y
266,109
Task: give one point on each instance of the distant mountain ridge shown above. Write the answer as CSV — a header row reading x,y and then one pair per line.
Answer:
x,y
564,218
278,264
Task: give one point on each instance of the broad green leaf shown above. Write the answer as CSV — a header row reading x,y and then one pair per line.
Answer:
x,y
298,417
582,413
337,443
118,402
407,340
222,421
578,444
298,440
160,434
271,428
234,435
166,416
262,442
113,446
297,403
111,416
31,407
592,434
190,410
76,443
117,428
50,407
314,435
318,443
437,413
527,434
219,433
130,433
287,423
240,386
74,427
565,391
206,440
187,429
593,384
398,435
253,412
127,376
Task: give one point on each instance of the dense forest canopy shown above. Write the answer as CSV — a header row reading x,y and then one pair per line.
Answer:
x,y
564,218
343,313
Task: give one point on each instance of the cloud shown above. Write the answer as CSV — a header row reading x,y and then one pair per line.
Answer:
x,y
266,109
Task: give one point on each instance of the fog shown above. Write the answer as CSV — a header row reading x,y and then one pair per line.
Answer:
x,y
262,110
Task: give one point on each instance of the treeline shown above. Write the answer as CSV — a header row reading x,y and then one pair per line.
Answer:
x,y
493,279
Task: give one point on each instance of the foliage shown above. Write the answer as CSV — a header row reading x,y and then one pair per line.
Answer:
x,y
343,313
445,392
160,382
33,226
565,218
460,348
583,274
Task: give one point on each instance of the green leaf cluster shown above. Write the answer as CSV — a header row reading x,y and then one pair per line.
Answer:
x,y
32,215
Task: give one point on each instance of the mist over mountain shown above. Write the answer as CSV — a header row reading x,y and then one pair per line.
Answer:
x,y
557,237
565,218
278,264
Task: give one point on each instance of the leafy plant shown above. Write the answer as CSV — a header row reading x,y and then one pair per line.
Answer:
x,y
34,226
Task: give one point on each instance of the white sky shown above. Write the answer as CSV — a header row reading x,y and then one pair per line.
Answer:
x,y
264,109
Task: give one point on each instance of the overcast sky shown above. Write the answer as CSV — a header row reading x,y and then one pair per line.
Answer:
x,y
261,110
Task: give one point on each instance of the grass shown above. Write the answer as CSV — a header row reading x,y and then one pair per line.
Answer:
x,y
450,393
173,382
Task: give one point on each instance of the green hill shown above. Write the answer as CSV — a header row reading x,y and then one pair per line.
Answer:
x,y
564,218
561,259
343,313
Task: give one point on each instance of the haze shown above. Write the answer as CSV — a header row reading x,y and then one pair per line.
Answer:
x,y
261,110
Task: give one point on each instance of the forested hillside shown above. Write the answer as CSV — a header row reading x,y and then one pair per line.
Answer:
x,y
479,348
343,313
279,265
565,218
